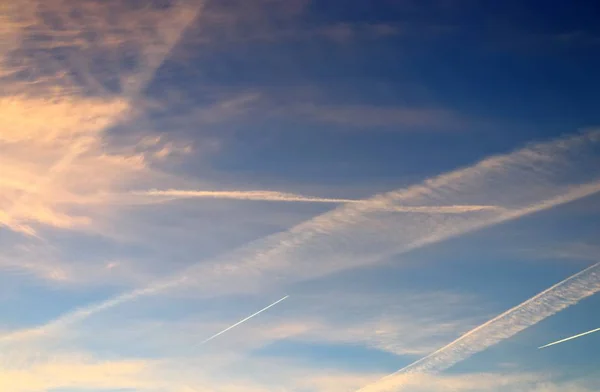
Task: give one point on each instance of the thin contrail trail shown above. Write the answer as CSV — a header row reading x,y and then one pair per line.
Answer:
x,y
244,320
545,304
570,338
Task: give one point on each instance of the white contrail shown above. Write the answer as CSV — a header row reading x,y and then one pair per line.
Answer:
x,y
258,195
244,320
532,179
547,303
264,195
570,338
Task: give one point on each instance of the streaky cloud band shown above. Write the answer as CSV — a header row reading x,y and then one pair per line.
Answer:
x,y
532,179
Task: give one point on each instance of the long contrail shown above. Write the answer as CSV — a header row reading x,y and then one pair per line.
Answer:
x,y
264,195
244,320
570,338
532,179
545,304
258,195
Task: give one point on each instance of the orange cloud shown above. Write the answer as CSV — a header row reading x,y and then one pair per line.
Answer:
x,y
54,112
50,148
66,372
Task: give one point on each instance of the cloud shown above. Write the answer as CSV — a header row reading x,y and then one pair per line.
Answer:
x,y
55,132
75,372
178,361
404,324
59,111
267,21
545,304
80,371
57,121
361,234
517,382
312,107
97,48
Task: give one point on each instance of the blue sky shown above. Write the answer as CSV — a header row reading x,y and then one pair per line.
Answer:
x,y
421,178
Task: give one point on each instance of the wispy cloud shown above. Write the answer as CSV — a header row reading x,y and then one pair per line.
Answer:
x,y
70,371
317,109
77,371
402,324
61,120
94,46
360,234
545,304
406,323
529,382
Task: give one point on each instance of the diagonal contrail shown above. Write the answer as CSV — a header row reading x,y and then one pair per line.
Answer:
x,y
570,338
545,304
244,320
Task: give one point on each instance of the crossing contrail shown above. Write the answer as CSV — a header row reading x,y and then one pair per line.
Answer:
x,y
359,234
570,338
244,320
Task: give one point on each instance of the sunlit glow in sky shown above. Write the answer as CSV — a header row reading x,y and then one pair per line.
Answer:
x,y
299,195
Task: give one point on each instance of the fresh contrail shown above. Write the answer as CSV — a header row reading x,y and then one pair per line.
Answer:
x,y
570,338
545,304
244,320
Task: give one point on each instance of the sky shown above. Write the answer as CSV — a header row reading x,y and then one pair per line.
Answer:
x,y
299,195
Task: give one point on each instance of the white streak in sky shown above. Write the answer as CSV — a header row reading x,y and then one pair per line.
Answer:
x,y
529,180
545,304
570,338
244,320
259,195
262,195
